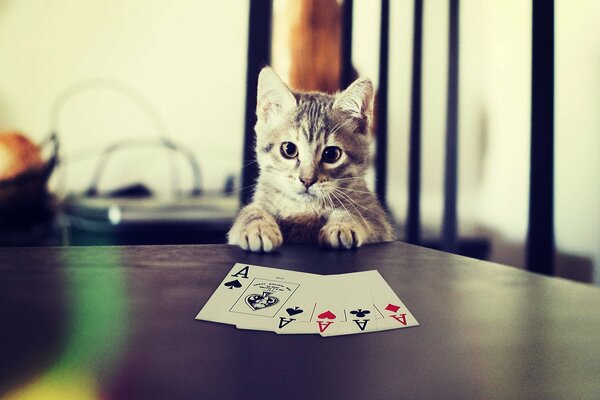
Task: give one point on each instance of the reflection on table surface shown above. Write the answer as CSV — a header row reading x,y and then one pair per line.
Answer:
x,y
118,323
96,333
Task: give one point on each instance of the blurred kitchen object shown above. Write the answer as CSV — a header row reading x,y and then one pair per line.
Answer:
x,y
24,175
134,214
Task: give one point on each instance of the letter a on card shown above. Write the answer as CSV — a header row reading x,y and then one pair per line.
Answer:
x,y
284,321
324,325
243,272
400,318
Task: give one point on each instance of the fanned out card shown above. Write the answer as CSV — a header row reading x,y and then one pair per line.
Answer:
x,y
289,302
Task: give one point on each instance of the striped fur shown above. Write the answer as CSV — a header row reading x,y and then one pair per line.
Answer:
x,y
337,210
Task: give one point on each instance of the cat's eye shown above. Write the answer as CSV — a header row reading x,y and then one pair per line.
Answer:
x,y
289,150
331,154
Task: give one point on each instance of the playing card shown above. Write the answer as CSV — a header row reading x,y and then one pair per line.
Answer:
x,y
251,292
330,311
287,302
325,309
297,314
357,300
391,312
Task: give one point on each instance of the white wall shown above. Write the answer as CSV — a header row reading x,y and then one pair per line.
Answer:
x,y
577,121
186,57
189,59
507,86
494,119
435,63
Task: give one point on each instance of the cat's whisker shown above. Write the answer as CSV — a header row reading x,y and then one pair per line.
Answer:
x,y
360,205
339,126
328,197
333,130
348,189
354,190
345,208
351,202
347,179
341,203
242,189
249,164
339,191
332,203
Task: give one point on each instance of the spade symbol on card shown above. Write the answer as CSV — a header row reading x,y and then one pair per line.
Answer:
x,y
360,313
293,311
233,284
260,301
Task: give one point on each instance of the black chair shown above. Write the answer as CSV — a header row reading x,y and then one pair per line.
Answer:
x,y
540,242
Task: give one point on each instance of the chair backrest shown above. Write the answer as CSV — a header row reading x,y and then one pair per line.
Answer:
x,y
540,234
540,239
259,55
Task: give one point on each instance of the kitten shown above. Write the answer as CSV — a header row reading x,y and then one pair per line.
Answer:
x,y
312,150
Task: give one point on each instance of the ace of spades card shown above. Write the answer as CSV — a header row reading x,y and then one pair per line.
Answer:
x,y
251,292
295,316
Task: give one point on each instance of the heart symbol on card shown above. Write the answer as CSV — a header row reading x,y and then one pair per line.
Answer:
x,y
326,315
392,307
293,311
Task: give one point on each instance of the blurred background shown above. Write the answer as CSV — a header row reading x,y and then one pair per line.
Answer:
x,y
148,104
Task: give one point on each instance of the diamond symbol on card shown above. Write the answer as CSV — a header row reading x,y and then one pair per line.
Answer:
x,y
392,307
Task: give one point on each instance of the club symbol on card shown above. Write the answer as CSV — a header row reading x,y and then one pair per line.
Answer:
x,y
293,311
260,301
233,284
326,315
360,313
392,307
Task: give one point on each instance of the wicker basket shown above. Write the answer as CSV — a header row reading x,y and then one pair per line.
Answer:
x,y
27,193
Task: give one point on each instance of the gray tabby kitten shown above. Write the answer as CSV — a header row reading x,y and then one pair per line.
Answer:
x,y
312,150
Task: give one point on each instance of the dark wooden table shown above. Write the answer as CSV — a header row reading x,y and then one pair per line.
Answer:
x,y
118,323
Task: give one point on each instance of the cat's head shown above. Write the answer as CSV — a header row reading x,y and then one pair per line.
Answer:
x,y
311,144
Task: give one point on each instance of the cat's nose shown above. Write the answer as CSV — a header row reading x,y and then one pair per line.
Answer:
x,y
307,182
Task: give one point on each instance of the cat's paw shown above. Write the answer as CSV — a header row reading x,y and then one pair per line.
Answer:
x,y
341,235
258,236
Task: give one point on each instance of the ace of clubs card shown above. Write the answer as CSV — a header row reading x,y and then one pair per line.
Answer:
x,y
355,299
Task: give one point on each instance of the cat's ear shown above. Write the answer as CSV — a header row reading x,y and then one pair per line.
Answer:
x,y
273,97
357,99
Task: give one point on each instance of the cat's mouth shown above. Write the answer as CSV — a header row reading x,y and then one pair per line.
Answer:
x,y
307,196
